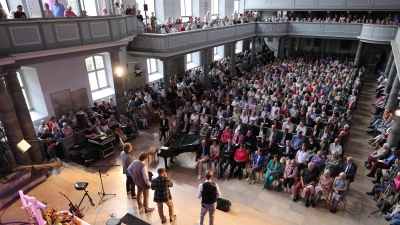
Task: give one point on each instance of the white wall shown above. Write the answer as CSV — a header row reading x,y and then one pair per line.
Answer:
x,y
196,58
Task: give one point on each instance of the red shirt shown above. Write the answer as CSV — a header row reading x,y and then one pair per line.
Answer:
x,y
241,155
181,29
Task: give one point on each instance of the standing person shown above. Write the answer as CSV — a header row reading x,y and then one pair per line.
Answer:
x,y
161,185
171,99
138,171
58,9
208,192
126,159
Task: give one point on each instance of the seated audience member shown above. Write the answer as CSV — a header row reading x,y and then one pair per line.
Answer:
x,y
19,14
288,124
97,127
324,146
106,129
126,123
350,169
273,149
212,120
221,122
66,130
53,123
63,120
257,165
239,126
227,154
203,119
287,153
308,179
230,123
335,147
164,127
96,117
202,156
385,164
302,158
333,163
323,187
325,133
194,117
42,127
185,126
379,188
89,111
262,145
226,135
114,126
312,146
47,134
249,141
145,113
340,187
215,133
194,128
237,138
283,137
378,154
175,125
262,131
68,12
205,131
138,116
215,154
272,133
71,117
289,175
57,137
384,173
106,108
318,161
297,141
240,159
273,171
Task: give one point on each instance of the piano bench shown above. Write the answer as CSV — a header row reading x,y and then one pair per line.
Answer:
x,y
152,152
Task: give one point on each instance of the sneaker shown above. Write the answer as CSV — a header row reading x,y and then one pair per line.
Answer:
x,y
172,218
247,179
285,189
199,177
149,210
253,181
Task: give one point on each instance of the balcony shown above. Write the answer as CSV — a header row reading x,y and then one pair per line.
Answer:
x,y
29,35
378,33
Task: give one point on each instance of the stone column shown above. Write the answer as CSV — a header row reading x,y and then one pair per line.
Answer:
x,y
180,65
233,60
289,46
253,51
323,48
297,43
118,83
281,49
246,44
167,72
206,56
328,45
227,50
394,136
391,103
22,113
11,125
391,73
359,54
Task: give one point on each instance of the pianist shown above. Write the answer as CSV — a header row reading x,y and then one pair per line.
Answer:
x,y
195,128
89,133
202,156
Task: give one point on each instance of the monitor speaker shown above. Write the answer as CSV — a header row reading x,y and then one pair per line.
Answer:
x,y
145,7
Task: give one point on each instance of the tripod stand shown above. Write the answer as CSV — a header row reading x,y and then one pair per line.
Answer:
x,y
383,197
102,193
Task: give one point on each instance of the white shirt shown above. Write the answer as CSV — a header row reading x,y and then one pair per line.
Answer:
x,y
147,98
302,129
245,119
335,148
203,120
288,126
302,157
48,13
194,117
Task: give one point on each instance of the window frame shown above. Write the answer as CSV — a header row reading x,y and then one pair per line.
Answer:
x,y
212,11
149,68
184,2
151,7
189,56
21,83
96,70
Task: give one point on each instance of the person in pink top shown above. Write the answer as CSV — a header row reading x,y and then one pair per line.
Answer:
x,y
226,135
237,138
68,12
240,159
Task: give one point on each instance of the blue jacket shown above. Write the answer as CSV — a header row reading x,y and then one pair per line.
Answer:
x,y
261,161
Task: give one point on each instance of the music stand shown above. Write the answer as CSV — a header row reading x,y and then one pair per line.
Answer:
x,y
24,146
102,193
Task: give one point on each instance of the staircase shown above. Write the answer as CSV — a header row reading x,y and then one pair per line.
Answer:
x,y
22,180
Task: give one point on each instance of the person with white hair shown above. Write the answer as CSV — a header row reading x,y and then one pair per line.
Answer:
x,y
340,186
323,187
3,14
104,12
378,154
66,130
68,12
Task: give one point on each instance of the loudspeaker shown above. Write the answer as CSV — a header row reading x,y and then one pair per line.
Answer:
x,y
145,7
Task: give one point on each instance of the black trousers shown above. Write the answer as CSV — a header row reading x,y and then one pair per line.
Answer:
x,y
288,181
130,185
240,166
222,169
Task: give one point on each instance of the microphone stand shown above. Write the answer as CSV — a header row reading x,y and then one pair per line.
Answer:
x,y
103,193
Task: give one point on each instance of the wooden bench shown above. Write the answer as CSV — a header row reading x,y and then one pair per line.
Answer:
x,y
152,152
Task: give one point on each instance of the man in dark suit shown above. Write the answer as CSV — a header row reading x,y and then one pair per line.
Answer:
x,y
265,120
204,109
272,133
287,152
185,126
253,128
227,157
249,142
202,156
185,114
350,169
273,149
309,122
283,137
164,127
240,126
228,112
325,133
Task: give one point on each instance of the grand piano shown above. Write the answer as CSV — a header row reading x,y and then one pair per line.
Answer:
x,y
177,144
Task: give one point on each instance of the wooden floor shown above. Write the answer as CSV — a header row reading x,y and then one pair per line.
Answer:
x,y
250,203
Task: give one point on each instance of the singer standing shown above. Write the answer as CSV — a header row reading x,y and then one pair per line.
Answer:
x,y
161,185
208,192
127,158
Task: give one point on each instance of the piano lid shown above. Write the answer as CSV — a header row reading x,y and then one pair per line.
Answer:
x,y
184,140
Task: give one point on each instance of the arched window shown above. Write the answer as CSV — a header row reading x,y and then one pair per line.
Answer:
x,y
96,72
